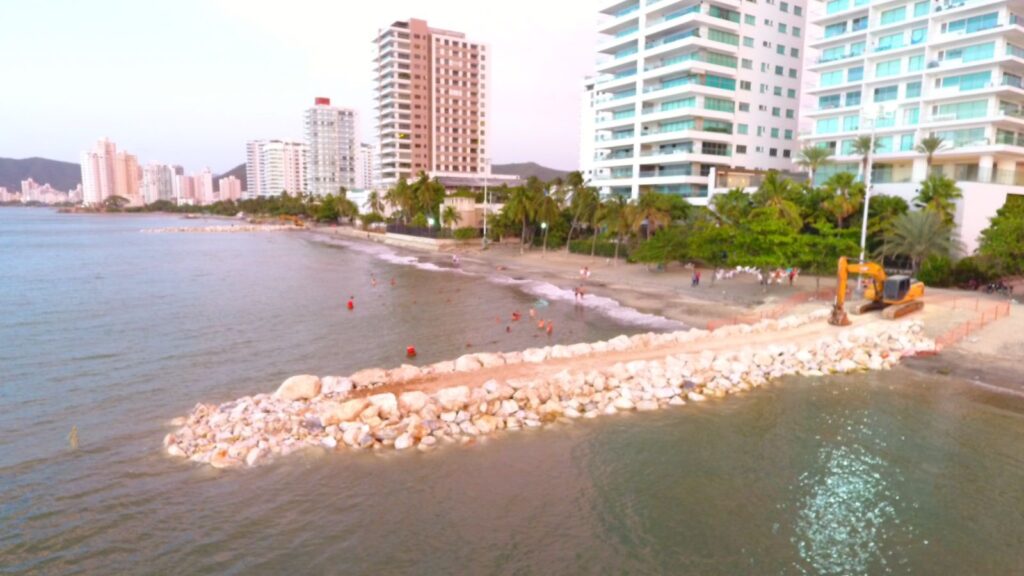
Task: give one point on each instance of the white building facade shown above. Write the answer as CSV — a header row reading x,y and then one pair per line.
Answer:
x,y
694,94
905,70
365,167
332,148
276,166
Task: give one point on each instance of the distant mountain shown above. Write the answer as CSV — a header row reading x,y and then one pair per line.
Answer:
x,y
527,169
61,175
237,172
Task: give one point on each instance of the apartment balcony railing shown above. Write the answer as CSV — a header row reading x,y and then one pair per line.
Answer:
x,y
627,31
709,58
827,59
694,32
627,10
687,171
667,151
616,156
617,117
625,53
623,95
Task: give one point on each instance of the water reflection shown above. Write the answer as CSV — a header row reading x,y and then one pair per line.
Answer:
x,y
849,506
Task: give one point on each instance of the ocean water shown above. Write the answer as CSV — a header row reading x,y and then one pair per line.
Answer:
x,y
116,331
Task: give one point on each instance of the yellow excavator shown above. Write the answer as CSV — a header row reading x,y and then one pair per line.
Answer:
x,y
895,296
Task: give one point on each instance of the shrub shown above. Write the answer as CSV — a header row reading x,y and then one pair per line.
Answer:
x,y
371,218
936,271
466,233
419,221
604,248
971,268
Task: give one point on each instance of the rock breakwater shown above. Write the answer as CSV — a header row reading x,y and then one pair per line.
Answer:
x,y
338,413
223,229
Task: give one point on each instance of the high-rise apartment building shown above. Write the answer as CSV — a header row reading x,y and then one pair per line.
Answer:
x,y
157,183
364,167
431,90
276,166
692,93
107,172
902,71
332,148
204,192
229,188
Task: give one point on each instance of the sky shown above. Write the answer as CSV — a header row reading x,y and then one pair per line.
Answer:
x,y
190,81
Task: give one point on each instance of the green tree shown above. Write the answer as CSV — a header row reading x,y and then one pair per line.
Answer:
x,y
1002,243
812,157
928,146
375,203
654,209
582,204
327,209
115,203
918,235
521,207
882,212
402,199
621,217
450,217
547,213
777,196
864,146
733,206
939,194
845,196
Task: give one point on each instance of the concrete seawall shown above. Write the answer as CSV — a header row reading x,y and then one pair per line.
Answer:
x,y
454,401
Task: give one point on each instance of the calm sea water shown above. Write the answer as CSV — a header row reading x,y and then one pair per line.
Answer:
x,y
115,332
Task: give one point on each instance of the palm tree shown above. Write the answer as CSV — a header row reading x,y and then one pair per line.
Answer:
x,y
652,210
402,198
548,213
846,196
777,195
939,194
812,157
864,146
582,205
622,217
521,206
928,146
597,216
450,216
918,235
733,206
374,202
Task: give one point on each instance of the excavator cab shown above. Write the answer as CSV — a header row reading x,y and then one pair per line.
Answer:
x,y
896,288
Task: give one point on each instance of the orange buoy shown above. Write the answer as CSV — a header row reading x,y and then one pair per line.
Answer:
x,y
351,304
410,351
515,316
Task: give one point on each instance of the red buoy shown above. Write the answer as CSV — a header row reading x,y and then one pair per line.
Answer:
x,y
410,351
351,304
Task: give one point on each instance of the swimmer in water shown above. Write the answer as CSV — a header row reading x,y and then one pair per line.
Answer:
x,y
550,327
533,313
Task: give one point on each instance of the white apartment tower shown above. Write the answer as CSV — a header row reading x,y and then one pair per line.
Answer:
x,y
694,94
276,166
904,70
332,149
364,166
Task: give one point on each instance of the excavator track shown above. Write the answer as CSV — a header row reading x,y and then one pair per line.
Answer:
x,y
900,310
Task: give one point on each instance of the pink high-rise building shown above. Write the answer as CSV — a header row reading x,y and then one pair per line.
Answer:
x,y
184,189
203,192
229,188
107,172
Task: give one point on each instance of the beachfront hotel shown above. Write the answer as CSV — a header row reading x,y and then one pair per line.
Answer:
x,y
692,94
331,148
906,70
432,102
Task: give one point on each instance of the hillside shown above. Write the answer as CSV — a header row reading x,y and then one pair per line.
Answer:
x,y
527,169
237,172
61,175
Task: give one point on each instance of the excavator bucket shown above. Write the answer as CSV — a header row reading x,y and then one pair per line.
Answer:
x,y
838,317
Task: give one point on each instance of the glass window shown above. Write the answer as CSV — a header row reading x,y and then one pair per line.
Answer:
x,y
827,102
890,42
834,29
913,90
723,36
775,132
741,149
742,128
968,81
894,15
906,143
744,85
887,120
788,134
790,113
773,152
855,74
776,111
851,123
719,104
794,52
973,24
748,64
749,19
847,147
784,6
798,10
887,68
719,126
826,126
918,35
834,6
883,144
962,110
792,72
791,93
744,107
857,48
915,63
853,98
780,49
886,93
921,8
796,31
777,91
780,70
965,137
748,42
782,28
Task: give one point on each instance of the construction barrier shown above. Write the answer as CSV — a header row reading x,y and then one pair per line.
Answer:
x,y
986,312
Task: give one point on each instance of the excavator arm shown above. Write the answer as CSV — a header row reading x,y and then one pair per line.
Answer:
x,y
869,269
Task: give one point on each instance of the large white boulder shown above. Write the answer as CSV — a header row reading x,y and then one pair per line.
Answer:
x,y
369,377
413,401
467,363
301,387
453,398
332,413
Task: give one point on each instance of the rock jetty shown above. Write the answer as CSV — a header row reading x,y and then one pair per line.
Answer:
x,y
223,229
342,413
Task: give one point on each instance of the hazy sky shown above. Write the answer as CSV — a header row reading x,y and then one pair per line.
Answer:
x,y
189,81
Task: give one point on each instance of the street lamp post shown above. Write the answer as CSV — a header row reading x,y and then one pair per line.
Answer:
x,y
544,227
487,172
879,113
